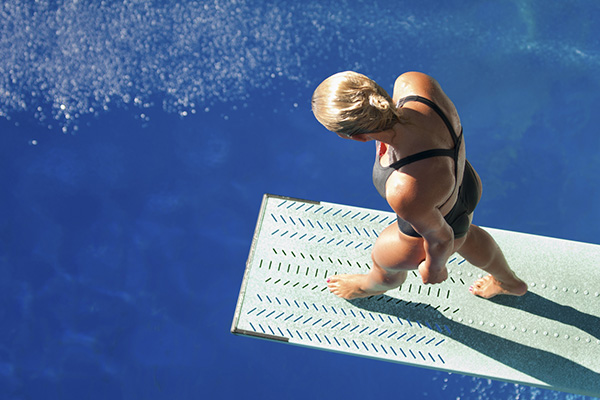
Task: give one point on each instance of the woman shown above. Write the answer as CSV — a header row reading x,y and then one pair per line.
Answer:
x,y
422,172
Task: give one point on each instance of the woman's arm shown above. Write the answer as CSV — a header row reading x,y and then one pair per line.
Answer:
x,y
415,201
438,242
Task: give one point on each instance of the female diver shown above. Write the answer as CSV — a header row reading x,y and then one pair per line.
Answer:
x,y
422,172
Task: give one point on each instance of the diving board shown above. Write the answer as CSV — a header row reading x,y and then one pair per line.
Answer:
x,y
549,338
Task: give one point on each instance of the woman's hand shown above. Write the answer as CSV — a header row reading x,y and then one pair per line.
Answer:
x,y
432,275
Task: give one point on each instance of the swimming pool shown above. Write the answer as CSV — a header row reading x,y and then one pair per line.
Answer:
x,y
138,139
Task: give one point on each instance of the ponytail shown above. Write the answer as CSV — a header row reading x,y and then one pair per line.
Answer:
x,y
350,103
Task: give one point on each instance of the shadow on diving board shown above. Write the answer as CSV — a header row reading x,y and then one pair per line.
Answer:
x,y
548,338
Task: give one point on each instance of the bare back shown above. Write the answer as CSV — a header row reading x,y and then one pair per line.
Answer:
x,y
425,130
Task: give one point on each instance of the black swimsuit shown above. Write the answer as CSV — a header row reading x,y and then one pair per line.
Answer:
x,y
468,193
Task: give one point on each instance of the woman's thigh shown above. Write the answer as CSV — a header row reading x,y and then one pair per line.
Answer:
x,y
395,251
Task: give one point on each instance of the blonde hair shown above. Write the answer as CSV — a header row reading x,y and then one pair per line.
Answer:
x,y
351,103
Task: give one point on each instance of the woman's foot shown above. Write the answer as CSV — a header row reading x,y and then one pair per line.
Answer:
x,y
488,287
351,286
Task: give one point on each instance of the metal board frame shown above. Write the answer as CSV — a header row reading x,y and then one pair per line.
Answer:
x,y
548,338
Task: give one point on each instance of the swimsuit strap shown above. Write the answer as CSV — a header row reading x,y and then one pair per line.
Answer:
x,y
454,152
422,155
434,107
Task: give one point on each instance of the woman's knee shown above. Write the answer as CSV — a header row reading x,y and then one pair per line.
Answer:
x,y
395,253
479,247
389,277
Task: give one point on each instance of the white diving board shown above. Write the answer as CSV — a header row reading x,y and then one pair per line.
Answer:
x,y
549,338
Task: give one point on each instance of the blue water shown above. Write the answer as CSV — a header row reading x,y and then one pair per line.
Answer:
x,y
137,139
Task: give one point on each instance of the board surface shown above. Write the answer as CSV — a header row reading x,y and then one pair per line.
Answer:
x,y
548,338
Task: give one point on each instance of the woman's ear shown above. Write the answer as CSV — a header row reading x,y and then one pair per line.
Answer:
x,y
363,137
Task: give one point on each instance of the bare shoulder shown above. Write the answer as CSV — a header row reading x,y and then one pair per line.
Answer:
x,y
424,85
417,77
416,82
